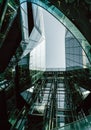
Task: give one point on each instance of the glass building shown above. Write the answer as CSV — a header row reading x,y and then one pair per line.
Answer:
x,y
45,60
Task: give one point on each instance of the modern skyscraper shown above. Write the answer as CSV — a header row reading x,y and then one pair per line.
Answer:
x,y
45,73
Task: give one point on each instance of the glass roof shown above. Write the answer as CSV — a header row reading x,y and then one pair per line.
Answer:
x,y
66,22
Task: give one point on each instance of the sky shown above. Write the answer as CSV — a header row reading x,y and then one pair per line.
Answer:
x,y
55,41
53,55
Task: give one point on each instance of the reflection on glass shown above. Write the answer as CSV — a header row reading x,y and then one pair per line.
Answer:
x,y
8,19
84,124
63,19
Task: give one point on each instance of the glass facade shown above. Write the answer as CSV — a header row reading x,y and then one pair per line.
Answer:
x,y
31,96
51,7
75,55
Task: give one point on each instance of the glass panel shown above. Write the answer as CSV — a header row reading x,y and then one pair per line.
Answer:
x,y
8,19
83,124
63,19
24,21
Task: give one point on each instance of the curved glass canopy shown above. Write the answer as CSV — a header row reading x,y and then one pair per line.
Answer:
x,y
47,5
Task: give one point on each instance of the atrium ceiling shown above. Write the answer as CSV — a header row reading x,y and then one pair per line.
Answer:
x,y
78,12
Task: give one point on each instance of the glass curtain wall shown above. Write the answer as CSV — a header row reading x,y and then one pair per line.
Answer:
x,y
78,73
53,102
37,39
75,55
